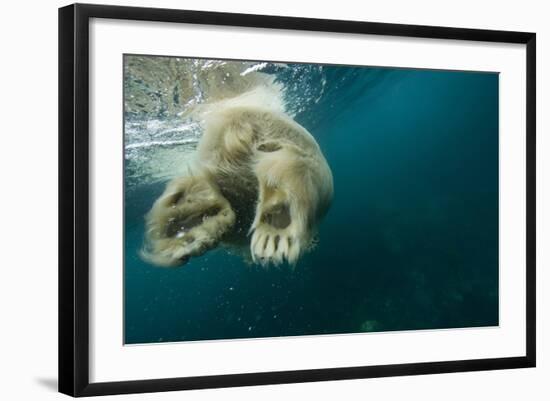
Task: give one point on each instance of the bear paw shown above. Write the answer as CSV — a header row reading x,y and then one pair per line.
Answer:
x,y
190,218
275,236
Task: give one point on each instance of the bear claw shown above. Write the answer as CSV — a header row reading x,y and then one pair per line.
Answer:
x,y
270,247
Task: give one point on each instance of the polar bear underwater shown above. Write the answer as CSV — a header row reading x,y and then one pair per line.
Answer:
x,y
258,183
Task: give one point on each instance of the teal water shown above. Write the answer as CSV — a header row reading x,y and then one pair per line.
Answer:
x,y
411,239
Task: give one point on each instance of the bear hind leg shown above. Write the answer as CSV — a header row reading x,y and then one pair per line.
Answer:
x,y
287,203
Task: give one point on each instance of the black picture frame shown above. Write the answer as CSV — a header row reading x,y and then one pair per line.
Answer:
x,y
74,198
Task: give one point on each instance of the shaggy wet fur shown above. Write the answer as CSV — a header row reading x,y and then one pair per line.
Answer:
x,y
260,184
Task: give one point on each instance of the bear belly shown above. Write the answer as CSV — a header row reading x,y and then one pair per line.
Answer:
x,y
241,190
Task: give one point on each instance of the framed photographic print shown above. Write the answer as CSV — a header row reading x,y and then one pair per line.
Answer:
x,y
249,199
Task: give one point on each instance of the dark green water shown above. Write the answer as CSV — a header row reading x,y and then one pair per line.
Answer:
x,y
411,239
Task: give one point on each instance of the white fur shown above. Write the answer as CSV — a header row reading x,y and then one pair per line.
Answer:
x,y
252,158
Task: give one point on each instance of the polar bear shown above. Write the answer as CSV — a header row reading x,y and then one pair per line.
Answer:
x,y
259,184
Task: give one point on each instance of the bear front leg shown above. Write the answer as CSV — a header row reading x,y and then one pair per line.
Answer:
x,y
188,219
295,189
